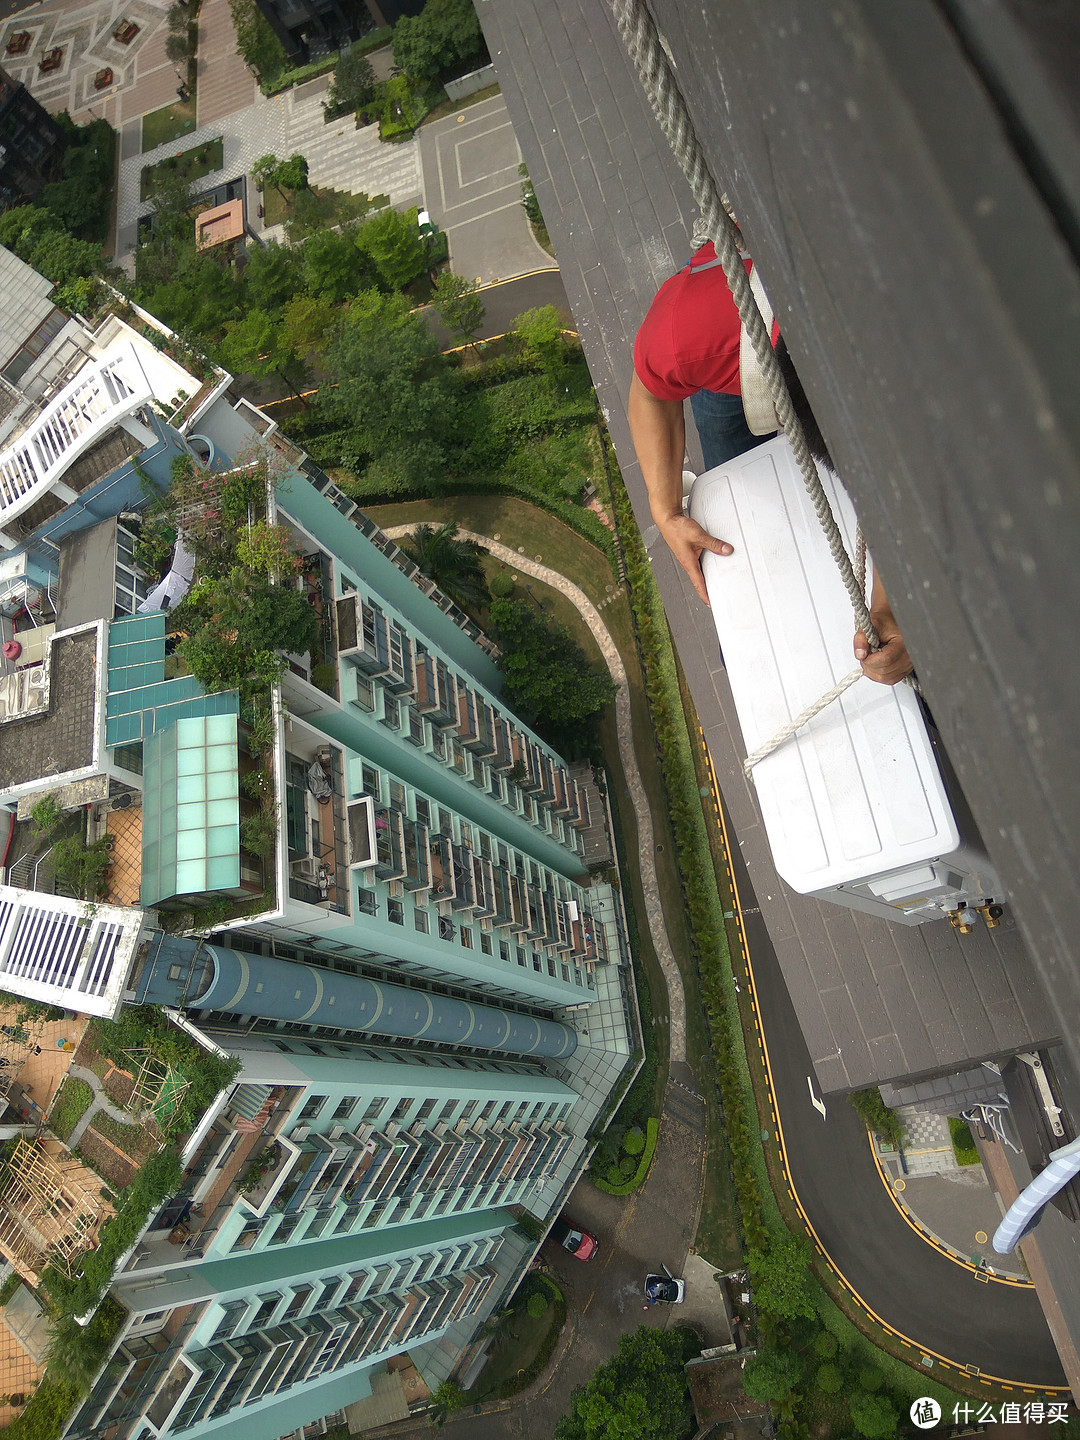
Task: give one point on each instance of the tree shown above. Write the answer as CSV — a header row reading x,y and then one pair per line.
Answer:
x,y
272,276
442,35
539,332
782,1280
77,1352
453,564
641,1394
256,42
546,672
307,325
177,47
417,52
872,1415
445,1399
458,306
772,1375
392,392
263,168
278,618
333,267
395,245
353,84
291,174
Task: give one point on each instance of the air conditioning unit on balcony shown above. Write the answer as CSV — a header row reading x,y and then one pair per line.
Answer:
x,y
396,890
304,870
337,1131
487,924
300,1133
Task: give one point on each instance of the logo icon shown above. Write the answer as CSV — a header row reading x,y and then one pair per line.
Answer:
x,y
925,1412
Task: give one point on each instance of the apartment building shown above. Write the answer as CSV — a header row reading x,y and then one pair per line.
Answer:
x,y
424,986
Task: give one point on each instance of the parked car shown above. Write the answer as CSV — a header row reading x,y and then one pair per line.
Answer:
x,y
580,1243
664,1290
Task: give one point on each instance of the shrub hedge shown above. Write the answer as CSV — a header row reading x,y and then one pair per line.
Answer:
x,y
629,1185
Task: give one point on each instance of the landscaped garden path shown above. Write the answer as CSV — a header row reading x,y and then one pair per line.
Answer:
x,y
100,1102
646,842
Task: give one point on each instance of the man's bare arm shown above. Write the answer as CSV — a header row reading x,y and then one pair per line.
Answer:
x,y
891,663
659,434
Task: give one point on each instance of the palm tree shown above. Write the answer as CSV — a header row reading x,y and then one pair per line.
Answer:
x,y
453,564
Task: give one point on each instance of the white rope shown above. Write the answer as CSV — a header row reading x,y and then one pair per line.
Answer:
x,y
788,730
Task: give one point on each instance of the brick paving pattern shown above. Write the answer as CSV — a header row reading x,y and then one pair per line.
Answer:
x,y
125,871
224,84
143,77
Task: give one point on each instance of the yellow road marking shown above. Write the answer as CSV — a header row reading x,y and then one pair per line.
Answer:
x,y
763,1045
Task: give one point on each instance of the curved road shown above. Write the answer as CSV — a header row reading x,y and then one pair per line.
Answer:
x,y
914,1290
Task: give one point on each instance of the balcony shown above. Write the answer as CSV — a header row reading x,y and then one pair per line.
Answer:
x,y
316,822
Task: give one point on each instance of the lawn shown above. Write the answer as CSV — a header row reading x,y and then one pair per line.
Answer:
x,y
453,107
338,205
524,1344
168,123
200,160
73,1100
132,1139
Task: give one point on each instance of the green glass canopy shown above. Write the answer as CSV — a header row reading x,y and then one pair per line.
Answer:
x,y
191,809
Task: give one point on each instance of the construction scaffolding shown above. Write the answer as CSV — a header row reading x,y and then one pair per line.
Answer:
x,y
159,1087
51,1208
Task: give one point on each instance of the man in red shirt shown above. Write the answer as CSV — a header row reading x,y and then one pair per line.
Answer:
x,y
688,348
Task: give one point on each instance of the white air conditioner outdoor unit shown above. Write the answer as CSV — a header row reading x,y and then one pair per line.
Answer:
x,y
396,890
300,1133
857,805
337,1131
304,869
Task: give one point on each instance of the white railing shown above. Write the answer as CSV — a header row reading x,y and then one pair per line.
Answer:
x,y
102,393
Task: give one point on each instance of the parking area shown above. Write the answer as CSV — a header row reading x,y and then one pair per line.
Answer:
x,y
473,190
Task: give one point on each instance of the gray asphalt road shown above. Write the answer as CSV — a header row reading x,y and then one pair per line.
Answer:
x,y
505,301
932,1301
473,190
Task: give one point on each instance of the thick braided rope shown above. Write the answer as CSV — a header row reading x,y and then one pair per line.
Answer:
x,y
662,88
787,731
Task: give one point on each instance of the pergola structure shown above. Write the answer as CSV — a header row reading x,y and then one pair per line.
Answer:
x,y
51,1209
159,1087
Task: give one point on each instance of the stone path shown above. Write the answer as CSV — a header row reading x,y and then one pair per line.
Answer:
x,y
101,1103
642,815
338,155
143,78
224,84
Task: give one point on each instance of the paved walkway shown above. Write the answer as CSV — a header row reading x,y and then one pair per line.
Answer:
x,y
143,78
646,842
100,1104
224,84
473,191
338,155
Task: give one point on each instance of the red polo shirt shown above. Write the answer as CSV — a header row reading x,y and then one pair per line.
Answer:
x,y
689,340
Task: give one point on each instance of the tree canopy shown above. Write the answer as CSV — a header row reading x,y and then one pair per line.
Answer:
x,y
546,672
772,1375
452,563
393,393
395,246
353,84
458,306
445,33
641,1394
781,1276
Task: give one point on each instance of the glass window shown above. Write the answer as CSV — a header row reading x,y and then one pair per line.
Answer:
x,y
485,942
312,1107
395,912
375,1107
466,938
421,921
344,1108
365,694
423,810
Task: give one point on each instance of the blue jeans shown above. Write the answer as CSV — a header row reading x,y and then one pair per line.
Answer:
x,y
722,427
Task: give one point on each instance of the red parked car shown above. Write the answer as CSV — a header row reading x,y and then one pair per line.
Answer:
x,y
580,1243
